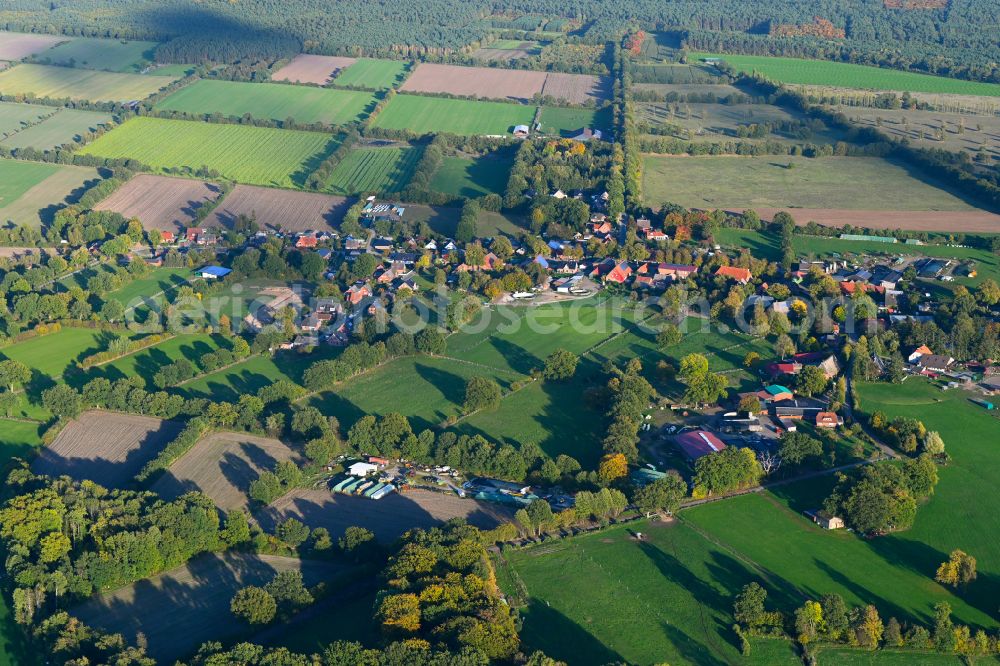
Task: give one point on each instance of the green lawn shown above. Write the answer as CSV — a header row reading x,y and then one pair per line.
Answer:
x,y
246,154
66,126
374,170
17,177
108,54
860,183
847,75
147,362
79,84
472,177
569,121
424,115
274,101
425,389
51,355
372,74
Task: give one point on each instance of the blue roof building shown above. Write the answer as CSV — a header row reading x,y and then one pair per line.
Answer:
x,y
214,272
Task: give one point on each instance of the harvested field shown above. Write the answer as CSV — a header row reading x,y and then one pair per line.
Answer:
x,y
305,68
280,209
106,447
223,465
966,221
167,204
17,45
576,88
388,517
79,84
182,608
15,117
46,188
482,82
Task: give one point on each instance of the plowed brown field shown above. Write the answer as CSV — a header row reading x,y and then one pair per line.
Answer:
x,y
280,209
167,204
305,68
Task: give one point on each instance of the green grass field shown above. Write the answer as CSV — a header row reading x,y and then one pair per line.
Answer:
x,y
272,101
175,70
80,84
147,362
66,126
569,121
847,75
425,389
30,192
108,54
17,177
253,374
472,177
51,355
14,117
374,170
246,154
860,183
424,115
17,440
159,279
372,74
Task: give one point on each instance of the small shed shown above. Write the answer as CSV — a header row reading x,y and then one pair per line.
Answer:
x,y
825,520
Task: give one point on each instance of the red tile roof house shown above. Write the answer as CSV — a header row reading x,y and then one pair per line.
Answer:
x,y
698,443
357,293
167,237
491,262
619,274
827,420
306,240
741,275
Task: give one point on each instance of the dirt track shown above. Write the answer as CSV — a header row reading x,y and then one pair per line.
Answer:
x,y
968,221
388,517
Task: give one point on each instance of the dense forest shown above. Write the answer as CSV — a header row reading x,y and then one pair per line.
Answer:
x,y
958,38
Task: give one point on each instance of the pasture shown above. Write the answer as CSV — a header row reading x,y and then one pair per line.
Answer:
x,y
569,121
246,154
15,117
31,192
113,55
270,101
159,202
65,127
279,209
718,122
849,75
423,115
18,45
484,82
51,355
106,447
372,74
869,183
222,466
388,518
317,69
428,390
673,91
79,84
374,170
146,362
180,609
251,375
18,439
472,176
139,293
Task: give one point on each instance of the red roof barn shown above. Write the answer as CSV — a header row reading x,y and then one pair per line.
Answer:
x,y
698,443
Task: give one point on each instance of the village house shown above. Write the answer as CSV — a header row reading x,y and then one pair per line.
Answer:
x,y
827,420
922,350
357,293
934,362
306,241
167,237
491,262
740,275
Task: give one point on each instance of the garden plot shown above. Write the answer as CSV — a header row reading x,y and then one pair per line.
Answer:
x,y
318,69
167,204
107,447
280,209
222,466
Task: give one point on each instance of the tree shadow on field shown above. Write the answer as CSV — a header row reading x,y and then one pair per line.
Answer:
x,y
312,163
518,358
561,638
451,386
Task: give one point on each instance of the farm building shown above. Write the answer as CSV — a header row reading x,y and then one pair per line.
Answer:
x,y
775,393
934,362
521,131
825,520
827,420
361,469
587,134
698,443
214,272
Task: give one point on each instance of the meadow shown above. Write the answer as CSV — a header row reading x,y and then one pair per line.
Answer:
x,y
137,292
66,126
273,101
14,117
372,74
79,84
427,390
423,115
472,177
147,362
848,75
564,121
374,170
52,354
30,192
246,154
18,439
251,375
869,183
107,54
